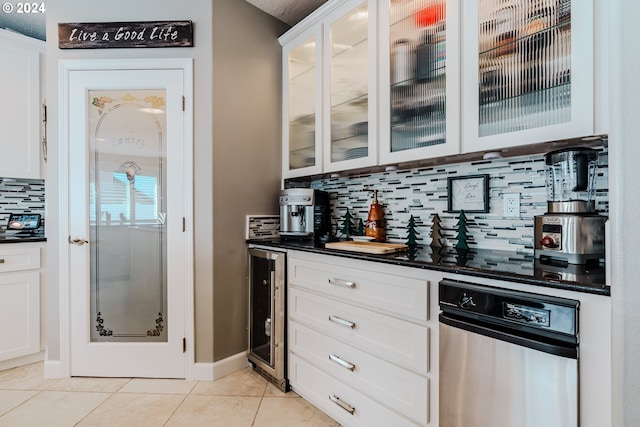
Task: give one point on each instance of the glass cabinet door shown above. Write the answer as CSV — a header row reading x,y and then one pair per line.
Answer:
x,y
422,103
302,101
349,80
532,74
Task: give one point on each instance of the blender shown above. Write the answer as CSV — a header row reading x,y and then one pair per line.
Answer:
x,y
571,232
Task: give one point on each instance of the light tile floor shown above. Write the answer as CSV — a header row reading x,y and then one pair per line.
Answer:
x,y
241,399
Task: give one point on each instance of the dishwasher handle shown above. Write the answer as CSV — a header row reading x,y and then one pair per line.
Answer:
x,y
540,343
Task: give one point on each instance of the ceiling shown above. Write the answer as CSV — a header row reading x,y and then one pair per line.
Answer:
x,y
288,11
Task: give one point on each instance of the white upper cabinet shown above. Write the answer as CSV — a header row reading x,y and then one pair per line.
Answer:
x,y
378,82
20,105
302,101
528,72
350,86
419,80
329,96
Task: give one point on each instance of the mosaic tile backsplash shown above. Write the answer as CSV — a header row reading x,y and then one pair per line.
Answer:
x,y
422,192
262,226
20,195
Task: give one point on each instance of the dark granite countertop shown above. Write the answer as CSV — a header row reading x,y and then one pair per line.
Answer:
x,y
12,238
492,264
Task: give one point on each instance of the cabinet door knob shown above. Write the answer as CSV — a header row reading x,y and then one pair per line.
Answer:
x,y
78,241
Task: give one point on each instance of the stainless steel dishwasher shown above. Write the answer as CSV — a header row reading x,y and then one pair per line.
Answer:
x,y
507,358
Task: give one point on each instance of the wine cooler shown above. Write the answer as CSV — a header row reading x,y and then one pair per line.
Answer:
x,y
267,320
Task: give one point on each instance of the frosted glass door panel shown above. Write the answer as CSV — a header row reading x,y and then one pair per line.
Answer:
x,y
127,192
302,104
418,73
524,64
349,69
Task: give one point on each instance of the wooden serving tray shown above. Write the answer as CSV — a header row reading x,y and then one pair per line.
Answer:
x,y
367,247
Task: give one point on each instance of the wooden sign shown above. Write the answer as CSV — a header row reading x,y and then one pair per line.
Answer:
x,y
103,35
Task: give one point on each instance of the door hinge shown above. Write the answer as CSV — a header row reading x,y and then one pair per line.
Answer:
x,y
184,345
184,224
184,101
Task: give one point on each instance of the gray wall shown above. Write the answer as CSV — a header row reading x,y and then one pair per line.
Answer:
x,y
247,91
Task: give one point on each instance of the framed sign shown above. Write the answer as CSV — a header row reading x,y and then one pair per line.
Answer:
x,y
103,35
468,193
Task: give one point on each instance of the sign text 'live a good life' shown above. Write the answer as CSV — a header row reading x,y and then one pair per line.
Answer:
x,y
102,35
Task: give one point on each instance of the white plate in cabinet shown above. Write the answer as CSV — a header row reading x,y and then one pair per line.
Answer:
x,y
397,341
341,402
391,385
17,259
397,290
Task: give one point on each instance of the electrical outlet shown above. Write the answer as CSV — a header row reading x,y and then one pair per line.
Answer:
x,y
511,203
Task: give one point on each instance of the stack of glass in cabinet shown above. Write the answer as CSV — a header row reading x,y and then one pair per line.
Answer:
x,y
418,73
524,64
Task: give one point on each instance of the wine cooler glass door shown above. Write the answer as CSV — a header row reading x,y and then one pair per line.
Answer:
x,y
262,298
266,311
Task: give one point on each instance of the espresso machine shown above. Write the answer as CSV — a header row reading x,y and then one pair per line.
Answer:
x,y
304,214
571,232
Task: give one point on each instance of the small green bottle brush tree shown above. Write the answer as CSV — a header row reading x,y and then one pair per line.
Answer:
x,y
412,233
347,225
462,236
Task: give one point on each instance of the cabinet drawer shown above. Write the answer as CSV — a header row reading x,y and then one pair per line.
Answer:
x,y
398,290
401,390
17,259
397,341
341,402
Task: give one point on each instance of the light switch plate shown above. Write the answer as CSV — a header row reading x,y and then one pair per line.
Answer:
x,y
511,204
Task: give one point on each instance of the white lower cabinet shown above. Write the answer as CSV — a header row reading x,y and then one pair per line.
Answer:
x,y
361,361
19,300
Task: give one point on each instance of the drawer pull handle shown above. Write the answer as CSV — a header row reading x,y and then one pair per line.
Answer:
x,y
341,282
342,362
1,260
342,322
344,405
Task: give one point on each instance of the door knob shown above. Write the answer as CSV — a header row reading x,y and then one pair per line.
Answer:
x,y
77,241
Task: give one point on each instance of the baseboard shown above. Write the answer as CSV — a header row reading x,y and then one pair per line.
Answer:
x,y
230,365
20,361
202,372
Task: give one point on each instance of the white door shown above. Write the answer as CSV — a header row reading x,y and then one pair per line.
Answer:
x,y
128,206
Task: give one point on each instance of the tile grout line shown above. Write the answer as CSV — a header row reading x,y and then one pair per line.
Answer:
x,y
184,397
253,422
21,403
93,410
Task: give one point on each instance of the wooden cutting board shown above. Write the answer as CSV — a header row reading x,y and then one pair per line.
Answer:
x,y
367,247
